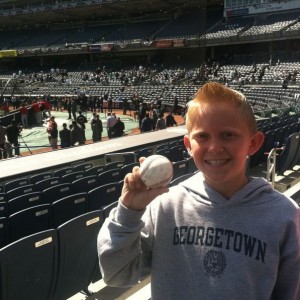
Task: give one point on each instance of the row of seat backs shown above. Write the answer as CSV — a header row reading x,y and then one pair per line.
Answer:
x,y
23,216
273,139
53,264
26,195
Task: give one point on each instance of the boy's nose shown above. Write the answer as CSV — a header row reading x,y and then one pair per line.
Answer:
x,y
215,146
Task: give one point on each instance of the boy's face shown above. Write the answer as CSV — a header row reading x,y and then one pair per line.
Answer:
x,y
219,143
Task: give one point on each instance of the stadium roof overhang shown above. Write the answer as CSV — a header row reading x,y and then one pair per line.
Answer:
x,y
104,11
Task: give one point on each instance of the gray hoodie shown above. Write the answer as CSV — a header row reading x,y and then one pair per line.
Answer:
x,y
198,245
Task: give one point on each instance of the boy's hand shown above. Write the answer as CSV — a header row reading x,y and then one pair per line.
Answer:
x,y
135,195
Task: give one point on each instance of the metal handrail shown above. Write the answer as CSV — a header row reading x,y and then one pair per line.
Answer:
x,y
271,166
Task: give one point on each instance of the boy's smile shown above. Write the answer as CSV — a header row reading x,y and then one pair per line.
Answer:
x,y
219,143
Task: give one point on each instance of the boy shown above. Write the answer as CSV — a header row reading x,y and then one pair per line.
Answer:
x,y
217,235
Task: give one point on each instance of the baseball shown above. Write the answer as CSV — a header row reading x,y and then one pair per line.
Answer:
x,y
156,171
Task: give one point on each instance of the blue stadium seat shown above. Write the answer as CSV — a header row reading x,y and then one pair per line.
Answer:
x,y
24,201
128,169
113,175
287,156
8,186
78,254
3,209
29,221
68,208
179,168
39,177
25,189
82,167
63,171
103,196
29,267
4,232
180,179
71,177
56,192
2,197
85,184
95,170
46,183
114,165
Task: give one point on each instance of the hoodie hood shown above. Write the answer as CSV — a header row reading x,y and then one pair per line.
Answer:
x,y
249,194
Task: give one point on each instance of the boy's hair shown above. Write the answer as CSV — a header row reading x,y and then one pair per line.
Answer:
x,y
216,93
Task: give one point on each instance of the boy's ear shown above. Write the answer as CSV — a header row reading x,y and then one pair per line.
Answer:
x,y
187,143
256,142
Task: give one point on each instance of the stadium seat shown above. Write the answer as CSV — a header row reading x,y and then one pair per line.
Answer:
x,y
3,209
56,192
29,221
63,171
39,177
46,183
181,178
103,196
77,254
288,154
95,170
85,184
165,152
114,165
128,169
4,232
179,168
71,177
24,201
8,186
113,175
2,197
25,189
144,152
68,208
82,167
107,209
29,267
176,153
191,167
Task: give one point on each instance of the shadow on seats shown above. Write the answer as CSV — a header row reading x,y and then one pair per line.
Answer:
x,y
78,254
29,221
29,267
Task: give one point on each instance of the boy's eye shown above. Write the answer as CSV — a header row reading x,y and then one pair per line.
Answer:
x,y
228,134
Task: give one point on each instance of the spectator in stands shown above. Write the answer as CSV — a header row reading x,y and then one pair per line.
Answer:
x,y
218,225
161,123
147,123
3,153
13,132
97,128
170,120
24,115
65,136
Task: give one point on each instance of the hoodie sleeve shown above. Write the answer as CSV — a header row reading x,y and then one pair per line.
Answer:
x,y
123,255
288,279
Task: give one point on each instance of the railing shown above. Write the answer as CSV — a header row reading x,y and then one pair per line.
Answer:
x,y
271,167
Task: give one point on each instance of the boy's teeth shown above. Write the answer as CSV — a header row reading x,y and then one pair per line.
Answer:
x,y
217,162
